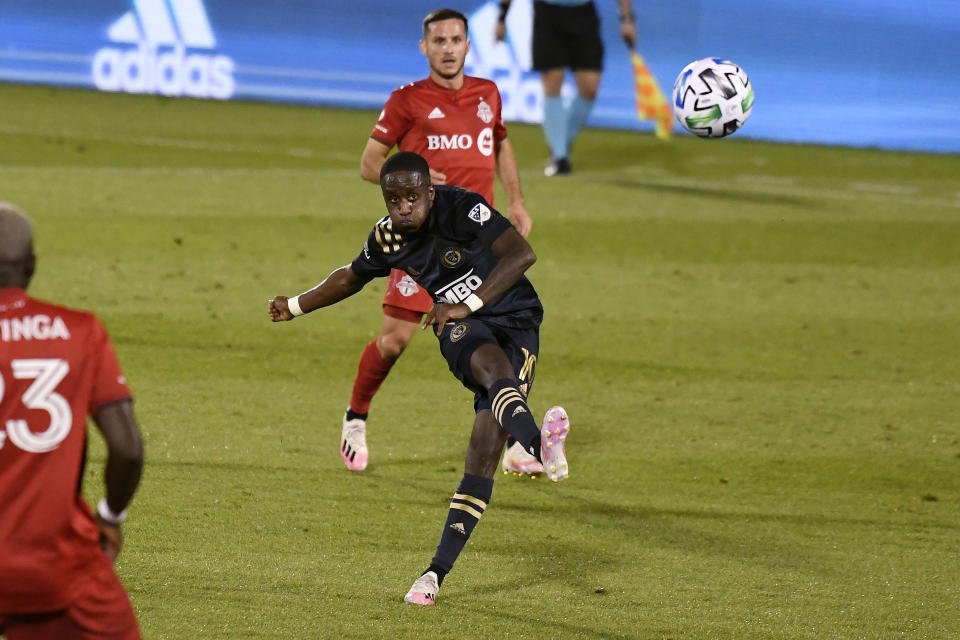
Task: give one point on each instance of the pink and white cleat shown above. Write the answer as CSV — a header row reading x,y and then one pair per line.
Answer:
x,y
553,434
424,590
517,460
353,444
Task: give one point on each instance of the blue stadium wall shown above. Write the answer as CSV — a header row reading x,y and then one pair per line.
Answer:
x,y
878,73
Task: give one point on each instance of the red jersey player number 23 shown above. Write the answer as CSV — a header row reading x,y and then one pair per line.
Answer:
x,y
57,366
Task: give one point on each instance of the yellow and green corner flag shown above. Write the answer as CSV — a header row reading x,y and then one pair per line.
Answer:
x,y
651,104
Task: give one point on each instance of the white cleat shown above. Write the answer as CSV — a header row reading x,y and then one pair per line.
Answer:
x,y
353,444
424,590
516,460
553,436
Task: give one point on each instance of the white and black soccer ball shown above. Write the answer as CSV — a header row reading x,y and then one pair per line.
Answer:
x,y
712,98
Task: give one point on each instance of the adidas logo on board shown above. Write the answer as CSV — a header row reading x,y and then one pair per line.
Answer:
x,y
155,53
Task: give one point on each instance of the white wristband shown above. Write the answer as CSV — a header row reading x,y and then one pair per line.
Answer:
x,y
474,302
293,304
107,513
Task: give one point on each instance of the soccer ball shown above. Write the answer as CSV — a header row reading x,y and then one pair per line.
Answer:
x,y
712,98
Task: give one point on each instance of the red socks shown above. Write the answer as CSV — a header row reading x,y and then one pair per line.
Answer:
x,y
371,373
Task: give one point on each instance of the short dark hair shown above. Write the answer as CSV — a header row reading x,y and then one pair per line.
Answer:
x,y
444,14
405,161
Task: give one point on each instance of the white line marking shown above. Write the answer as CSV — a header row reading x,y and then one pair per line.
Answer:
x,y
877,187
179,143
794,190
167,170
45,56
53,77
290,72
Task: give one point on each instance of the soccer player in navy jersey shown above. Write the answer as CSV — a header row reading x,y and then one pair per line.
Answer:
x,y
486,316
454,121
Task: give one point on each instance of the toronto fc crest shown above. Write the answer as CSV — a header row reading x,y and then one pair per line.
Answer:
x,y
484,112
407,286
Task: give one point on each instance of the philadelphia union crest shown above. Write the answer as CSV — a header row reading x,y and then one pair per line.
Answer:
x,y
451,257
459,331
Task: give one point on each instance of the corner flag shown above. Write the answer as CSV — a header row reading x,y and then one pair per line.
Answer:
x,y
650,101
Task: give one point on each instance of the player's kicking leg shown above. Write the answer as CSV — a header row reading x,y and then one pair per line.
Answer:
x,y
532,447
473,494
501,409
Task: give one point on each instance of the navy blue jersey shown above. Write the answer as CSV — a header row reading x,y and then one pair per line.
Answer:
x,y
450,256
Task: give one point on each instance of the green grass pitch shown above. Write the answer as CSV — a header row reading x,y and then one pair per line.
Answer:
x,y
758,346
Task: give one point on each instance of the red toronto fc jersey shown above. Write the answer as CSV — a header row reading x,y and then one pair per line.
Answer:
x,y
456,130
57,366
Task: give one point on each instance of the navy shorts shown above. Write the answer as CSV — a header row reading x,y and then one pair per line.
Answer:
x,y
458,342
566,37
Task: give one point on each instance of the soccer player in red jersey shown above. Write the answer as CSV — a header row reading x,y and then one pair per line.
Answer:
x,y
453,120
57,365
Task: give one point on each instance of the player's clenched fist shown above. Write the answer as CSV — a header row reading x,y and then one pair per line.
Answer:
x,y
279,309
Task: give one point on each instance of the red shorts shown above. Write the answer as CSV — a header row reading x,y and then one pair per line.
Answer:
x,y
405,299
101,610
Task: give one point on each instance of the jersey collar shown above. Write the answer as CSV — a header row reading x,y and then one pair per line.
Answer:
x,y
435,85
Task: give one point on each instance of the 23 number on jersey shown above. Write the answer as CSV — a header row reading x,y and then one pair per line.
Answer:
x,y
46,374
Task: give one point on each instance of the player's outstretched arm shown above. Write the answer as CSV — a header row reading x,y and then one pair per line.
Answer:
x,y
510,179
515,257
122,474
340,284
